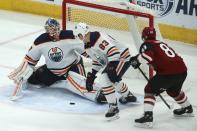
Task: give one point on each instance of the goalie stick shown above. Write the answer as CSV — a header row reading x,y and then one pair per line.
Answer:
x,y
169,106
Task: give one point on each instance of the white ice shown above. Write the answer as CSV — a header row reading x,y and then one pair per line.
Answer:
x,y
18,31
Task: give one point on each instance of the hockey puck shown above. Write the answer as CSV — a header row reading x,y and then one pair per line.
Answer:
x,y
72,103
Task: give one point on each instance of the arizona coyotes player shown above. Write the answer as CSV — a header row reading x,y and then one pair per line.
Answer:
x,y
60,50
107,54
171,72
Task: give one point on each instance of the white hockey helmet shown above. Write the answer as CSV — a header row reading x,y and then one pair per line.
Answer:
x,y
81,29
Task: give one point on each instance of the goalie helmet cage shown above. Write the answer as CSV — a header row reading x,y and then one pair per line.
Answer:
x,y
94,12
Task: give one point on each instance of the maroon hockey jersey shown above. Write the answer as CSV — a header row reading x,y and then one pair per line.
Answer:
x,y
162,57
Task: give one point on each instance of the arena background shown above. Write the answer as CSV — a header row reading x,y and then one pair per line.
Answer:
x,y
180,23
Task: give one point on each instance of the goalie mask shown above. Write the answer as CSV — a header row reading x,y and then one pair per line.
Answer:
x,y
52,27
148,33
81,29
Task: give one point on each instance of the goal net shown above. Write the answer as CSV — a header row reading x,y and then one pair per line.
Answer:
x,y
122,20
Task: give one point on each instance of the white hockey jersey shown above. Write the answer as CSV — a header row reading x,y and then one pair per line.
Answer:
x,y
102,48
59,55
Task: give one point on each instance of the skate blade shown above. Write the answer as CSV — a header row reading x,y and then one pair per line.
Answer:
x,y
144,125
115,117
184,115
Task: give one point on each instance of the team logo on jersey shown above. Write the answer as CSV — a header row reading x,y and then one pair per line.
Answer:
x,y
55,54
161,7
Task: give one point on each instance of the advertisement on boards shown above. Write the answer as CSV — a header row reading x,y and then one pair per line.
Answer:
x,y
181,13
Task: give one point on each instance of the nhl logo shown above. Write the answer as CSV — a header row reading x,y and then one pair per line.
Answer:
x,y
55,54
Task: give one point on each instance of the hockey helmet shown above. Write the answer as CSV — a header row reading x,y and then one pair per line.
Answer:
x,y
148,33
52,27
81,29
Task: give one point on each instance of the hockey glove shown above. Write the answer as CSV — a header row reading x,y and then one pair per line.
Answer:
x,y
135,62
111,71
90,80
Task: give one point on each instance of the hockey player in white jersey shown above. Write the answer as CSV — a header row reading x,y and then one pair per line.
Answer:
x,y
61,52
113,58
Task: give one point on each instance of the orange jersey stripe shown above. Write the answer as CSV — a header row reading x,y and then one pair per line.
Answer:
x,y
119,67
81,70
112,51
125,54
30,60
108,90
60,72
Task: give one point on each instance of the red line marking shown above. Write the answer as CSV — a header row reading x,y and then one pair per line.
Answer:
x,y
20,37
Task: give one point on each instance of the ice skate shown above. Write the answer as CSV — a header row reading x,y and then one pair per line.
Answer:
x,y
113,112
129,98
184,112
145,121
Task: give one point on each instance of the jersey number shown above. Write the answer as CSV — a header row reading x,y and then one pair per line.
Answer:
x,y
169,52
103,44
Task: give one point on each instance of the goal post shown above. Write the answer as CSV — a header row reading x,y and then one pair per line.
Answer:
x,y
126,18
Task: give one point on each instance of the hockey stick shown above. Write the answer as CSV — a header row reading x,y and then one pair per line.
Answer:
x,y
170,107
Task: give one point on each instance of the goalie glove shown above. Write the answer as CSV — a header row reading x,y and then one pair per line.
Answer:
x,y
23,72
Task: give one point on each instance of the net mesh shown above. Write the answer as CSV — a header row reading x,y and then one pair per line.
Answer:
x,y
123,27
103,18
99,19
